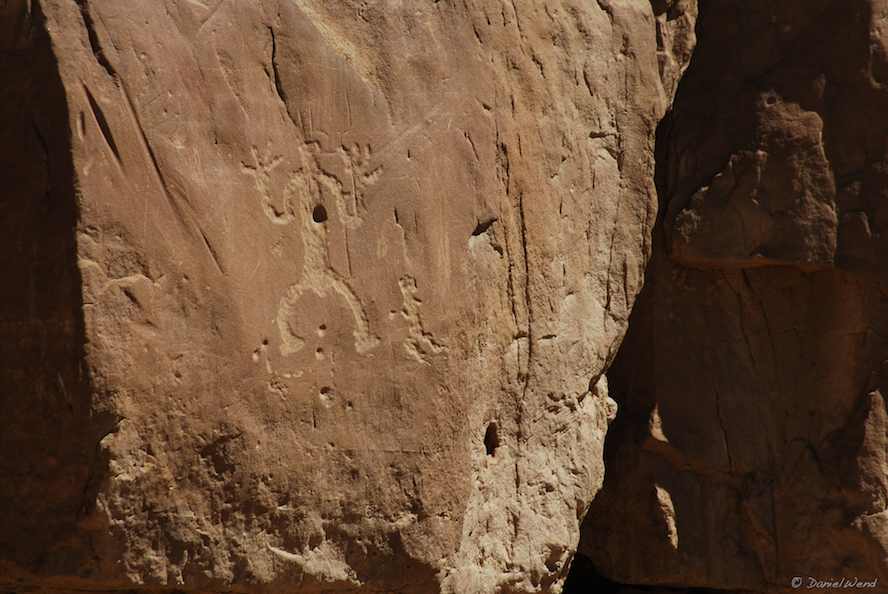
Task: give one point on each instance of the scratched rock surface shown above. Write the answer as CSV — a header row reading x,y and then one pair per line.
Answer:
x,y
751,443
317,296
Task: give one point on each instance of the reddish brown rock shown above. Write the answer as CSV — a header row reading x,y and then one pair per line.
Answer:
x,y
317,296
751,444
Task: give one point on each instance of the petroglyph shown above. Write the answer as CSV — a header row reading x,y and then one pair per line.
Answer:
x,y
419,344
345,174
264,164
339,177
323,289
325,563
342,175
319,277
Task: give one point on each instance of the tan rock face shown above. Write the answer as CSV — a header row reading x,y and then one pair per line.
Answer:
x,y
317,295
751,442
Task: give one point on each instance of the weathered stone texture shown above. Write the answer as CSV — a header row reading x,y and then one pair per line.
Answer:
x,y
329,291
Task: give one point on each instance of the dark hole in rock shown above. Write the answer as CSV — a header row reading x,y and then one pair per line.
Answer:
x,y
491,439
319,214
482,226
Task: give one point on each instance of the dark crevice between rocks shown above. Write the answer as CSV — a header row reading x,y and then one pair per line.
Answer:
x,y
670,326
584,578
50,461
623,375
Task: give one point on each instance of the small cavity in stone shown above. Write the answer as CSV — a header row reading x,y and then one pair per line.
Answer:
x,y
491,439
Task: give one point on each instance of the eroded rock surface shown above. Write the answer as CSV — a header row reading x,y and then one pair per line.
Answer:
x,y
751,443
330,287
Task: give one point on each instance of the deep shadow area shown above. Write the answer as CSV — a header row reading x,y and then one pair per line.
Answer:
x,y
583,578
752,371
49,430
629,388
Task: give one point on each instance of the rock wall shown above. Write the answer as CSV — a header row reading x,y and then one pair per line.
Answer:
x,y
317,295
751,443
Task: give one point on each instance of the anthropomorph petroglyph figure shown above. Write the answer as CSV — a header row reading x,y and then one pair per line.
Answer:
x,y
304,200
264,163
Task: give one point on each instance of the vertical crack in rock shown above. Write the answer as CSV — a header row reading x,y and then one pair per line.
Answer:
x,y
528,306
102,122
719,415
93,36
277,79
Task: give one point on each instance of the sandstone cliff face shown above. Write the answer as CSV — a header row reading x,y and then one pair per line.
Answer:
x,y
751,443
318,296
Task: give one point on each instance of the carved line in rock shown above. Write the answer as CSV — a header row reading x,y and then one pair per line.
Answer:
x,y
420,343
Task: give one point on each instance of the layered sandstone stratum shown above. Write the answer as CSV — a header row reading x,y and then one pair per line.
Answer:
x,y
308,296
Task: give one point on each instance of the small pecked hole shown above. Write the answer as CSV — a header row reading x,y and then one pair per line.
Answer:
x,y
319,214
491,439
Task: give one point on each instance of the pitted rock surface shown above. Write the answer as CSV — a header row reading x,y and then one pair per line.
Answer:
x,y
318,296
